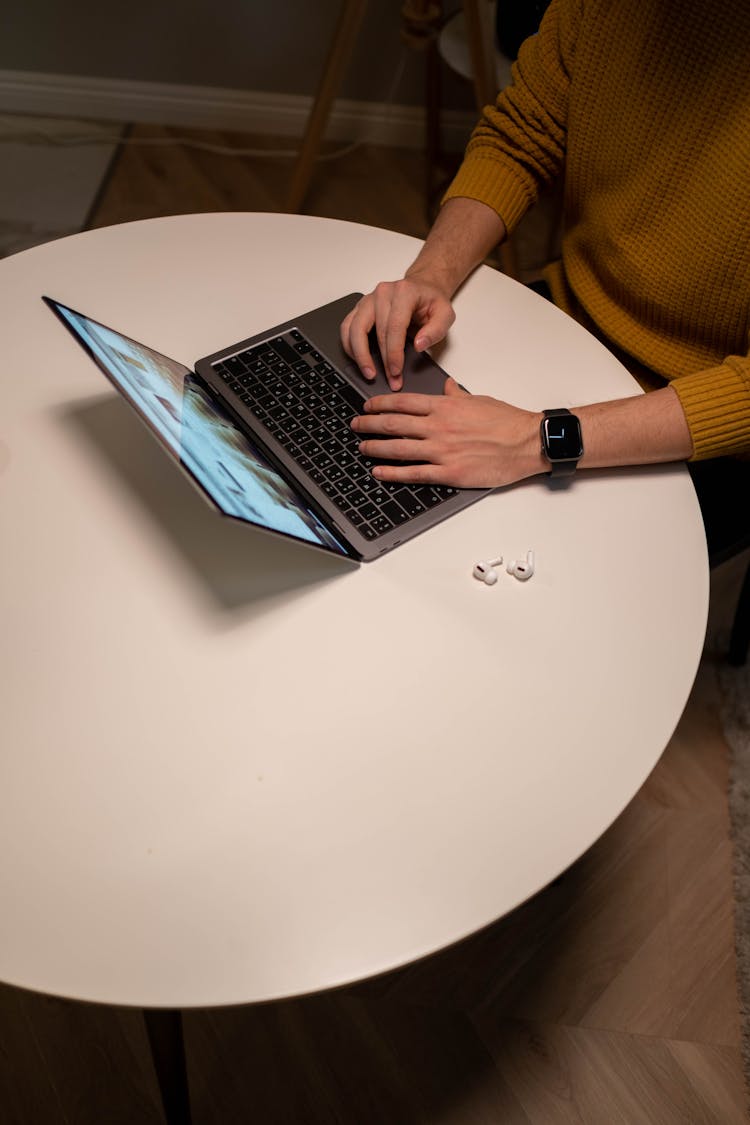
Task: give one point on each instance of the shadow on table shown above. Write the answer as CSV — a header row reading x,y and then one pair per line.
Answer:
x,y
237,563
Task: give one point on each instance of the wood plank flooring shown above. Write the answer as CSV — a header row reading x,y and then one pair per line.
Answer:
x,y
609,999
374,185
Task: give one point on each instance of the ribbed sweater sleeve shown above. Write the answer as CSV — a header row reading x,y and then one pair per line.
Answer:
x,y
716,402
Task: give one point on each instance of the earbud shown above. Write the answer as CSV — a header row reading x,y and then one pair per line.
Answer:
x,y
521,569
485,571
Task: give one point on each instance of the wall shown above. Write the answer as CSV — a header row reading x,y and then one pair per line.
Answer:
x,y
238,44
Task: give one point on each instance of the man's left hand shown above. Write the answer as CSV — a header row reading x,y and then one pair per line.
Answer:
x,y
456,439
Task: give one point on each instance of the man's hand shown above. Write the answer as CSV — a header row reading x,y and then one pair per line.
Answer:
x,y
463,234
391,309
457,439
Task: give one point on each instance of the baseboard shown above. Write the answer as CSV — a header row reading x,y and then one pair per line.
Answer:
x,y
208,107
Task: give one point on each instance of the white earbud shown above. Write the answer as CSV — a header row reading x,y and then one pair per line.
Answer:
x,y
522,569
485,571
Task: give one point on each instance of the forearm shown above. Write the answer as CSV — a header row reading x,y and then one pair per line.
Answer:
x,y
642,430
473,441
463,234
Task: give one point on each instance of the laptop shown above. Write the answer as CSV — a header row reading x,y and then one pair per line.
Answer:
x,y
262,428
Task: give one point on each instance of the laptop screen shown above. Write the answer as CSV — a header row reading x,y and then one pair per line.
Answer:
x,y
230,469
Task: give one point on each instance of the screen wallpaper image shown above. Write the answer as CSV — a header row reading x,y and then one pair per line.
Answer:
x,y
236,475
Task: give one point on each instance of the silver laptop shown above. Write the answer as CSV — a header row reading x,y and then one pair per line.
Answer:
x,y
263,428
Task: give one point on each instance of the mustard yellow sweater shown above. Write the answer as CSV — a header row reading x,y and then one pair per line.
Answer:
x,y
644,107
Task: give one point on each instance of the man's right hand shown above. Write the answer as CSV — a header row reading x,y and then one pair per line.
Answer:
x,y
391,308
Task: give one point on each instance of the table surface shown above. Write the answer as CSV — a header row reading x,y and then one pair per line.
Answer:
x,y
233,770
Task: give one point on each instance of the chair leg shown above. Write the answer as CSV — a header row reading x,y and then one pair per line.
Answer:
x,y
352,13
480,38
739,641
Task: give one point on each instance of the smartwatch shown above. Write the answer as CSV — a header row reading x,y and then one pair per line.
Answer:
x,y
562,443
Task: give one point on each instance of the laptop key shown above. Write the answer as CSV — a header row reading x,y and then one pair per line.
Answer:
x,y
357,472
411,503
353,398
285,350
235,365
394,512
443,491
279,414
381,524
310,398
320,460
427,496
378,495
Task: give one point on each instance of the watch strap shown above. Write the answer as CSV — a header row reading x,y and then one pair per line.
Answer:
x,y
563,468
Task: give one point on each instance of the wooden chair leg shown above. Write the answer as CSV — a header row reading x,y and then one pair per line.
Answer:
x,y
352,12
481,49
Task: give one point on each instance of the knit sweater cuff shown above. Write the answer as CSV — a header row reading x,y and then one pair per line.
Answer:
x,y
489,182
716,404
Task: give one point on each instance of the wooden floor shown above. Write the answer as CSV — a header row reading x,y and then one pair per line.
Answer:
x,y
610,999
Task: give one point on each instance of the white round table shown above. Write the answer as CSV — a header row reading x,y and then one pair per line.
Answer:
x,y
232,770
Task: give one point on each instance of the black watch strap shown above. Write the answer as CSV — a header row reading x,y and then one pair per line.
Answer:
x,y
566,464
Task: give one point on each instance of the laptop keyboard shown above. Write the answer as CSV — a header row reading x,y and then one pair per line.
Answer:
x,y
307,406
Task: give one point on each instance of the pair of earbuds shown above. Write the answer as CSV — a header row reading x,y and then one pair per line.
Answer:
x,y
522,569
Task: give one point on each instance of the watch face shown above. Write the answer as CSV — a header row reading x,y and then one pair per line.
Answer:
x,y
562,437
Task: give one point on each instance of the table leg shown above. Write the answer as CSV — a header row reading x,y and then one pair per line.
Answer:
x,y
164,1029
